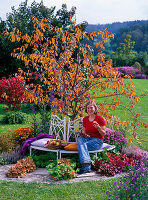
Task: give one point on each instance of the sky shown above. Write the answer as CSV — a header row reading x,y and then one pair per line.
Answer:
x,y
92,11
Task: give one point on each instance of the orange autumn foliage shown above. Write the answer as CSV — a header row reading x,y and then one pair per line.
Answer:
x,y
71,78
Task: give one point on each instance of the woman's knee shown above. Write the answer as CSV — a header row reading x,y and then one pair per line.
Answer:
x,y
80,140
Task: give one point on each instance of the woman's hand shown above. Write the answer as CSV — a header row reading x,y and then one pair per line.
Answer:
x,y
101,129
96,125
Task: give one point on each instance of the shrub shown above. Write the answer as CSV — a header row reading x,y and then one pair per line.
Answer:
x,y
128,69
8,142
115,138
24,133
132,186
14,118
43,125
12,92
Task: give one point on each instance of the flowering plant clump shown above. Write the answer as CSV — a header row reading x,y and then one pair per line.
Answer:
x,y
62,171
8,142
113,165
24,133
132,186
115,138
130,70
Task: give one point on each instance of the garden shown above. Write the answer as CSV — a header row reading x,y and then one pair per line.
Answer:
x,y
59,76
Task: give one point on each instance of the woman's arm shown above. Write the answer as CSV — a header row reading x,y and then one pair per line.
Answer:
x,y
101,129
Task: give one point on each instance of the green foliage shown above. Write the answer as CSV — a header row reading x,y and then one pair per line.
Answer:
x,y
14,118
124,56
45,119
42,160
139,32
74,160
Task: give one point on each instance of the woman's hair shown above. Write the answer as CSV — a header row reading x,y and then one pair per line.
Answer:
x,y
94,104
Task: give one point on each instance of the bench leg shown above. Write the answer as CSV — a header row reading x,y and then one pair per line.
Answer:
x,y
30,151
59,155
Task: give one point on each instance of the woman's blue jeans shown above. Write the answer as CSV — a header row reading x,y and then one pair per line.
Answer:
x,y
86,144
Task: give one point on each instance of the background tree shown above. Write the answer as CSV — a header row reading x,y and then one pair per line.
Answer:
x,y
21,18
125,56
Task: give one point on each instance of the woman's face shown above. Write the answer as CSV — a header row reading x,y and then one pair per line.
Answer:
x,y
90,109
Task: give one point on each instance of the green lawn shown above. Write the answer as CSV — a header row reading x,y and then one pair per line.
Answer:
x,y
90,190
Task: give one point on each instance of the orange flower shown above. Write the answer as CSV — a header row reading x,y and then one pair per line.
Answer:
x,y
24,133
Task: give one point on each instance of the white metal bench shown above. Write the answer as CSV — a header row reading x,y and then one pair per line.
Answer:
x,y
58,127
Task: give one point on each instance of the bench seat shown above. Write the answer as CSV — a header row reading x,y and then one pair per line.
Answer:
x,y
59,152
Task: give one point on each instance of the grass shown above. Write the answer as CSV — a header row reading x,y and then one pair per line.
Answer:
x,y
90,190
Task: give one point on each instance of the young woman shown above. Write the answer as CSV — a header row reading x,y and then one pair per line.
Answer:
x,y
92,138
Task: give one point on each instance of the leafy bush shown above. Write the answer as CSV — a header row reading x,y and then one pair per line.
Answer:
x,y
133,185
12,92
14,118
43,125
8,142
141,76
